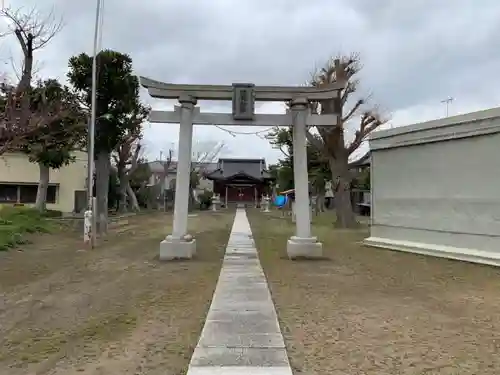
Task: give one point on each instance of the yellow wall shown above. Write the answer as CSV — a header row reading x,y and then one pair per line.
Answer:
x,y
16,168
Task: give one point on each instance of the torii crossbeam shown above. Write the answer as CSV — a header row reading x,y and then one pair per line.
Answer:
x,y
226,119
163,90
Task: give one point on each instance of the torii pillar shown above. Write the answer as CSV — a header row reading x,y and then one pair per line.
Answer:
x,y
179,244
303,244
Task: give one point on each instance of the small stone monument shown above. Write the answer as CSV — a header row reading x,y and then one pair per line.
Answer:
x,y
313,205
87,226
215,201
266,202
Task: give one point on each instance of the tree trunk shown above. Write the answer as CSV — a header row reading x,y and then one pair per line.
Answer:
x,y
320,202
25,82
122,205
27,73
102,169
346,218
192,201
43,186
133,198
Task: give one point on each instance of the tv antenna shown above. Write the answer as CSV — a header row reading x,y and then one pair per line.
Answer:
x,y
447,101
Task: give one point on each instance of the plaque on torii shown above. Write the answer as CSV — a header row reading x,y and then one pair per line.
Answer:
x,y
243,101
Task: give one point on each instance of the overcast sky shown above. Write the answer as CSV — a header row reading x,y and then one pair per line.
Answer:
x,y
415,53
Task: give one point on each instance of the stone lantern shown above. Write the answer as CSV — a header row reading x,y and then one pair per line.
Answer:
x,y
266,203
215,202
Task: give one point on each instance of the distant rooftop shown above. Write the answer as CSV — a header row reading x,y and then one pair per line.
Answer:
x,y
158,166
229,167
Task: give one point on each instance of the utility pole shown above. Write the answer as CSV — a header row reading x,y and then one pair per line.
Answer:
x,y
447,101
90,226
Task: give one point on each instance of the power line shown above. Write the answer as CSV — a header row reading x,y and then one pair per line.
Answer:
x,y
234,132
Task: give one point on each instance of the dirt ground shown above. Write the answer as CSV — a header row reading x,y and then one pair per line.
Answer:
x,y
370,311
113,310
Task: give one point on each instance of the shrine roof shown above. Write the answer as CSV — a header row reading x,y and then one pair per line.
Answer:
x,y
251,168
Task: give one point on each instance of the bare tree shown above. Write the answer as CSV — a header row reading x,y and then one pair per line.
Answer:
x,y
33,31
206,153
159,187
20,125
127,158
332,142
19,122
28,112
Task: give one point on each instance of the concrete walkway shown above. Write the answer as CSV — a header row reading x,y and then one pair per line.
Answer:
x,y
241,334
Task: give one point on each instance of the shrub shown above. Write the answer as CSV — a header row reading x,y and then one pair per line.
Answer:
x,y
205,199
52,213
15,222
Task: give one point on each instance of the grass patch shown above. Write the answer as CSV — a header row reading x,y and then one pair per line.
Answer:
x,y
16,222
116,310
375,311
39,345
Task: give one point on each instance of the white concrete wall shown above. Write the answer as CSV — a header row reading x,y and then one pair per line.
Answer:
x,y
436,188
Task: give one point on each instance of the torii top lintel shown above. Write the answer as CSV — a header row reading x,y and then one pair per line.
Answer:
x,y
163,90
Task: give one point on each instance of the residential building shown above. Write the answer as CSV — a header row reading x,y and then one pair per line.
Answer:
x,y
361,164
161,169
19,182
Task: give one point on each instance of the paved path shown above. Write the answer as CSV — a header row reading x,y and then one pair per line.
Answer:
x,y
241,334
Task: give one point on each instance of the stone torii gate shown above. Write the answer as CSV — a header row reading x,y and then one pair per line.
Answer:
x,y
243,96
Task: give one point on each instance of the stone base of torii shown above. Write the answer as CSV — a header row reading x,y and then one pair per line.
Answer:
x,y
180,244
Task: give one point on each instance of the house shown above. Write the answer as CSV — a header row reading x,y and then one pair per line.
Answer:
x,y
241,180
158,172
361,164
67,186
360,194
161,169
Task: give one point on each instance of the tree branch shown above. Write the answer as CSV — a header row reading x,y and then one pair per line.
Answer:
x,y
32,25
284,152
370,120
353,110
135,158
21,41
315,141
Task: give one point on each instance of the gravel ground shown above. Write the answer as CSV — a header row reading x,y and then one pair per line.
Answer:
x,y
370,311
113,310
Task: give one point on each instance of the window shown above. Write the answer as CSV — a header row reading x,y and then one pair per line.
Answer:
x,y
8,193
52,194
14,193
28,193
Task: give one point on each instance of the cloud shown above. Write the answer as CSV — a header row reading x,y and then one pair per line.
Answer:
x,y
415,54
